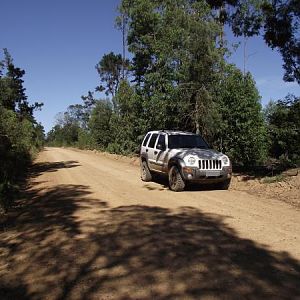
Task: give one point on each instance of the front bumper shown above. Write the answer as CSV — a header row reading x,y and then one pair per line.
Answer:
x,y
208,176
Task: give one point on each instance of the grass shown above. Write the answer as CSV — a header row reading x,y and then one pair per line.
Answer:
x,y
273,179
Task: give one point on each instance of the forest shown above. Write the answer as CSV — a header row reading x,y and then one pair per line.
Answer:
x,y
173,73
178,77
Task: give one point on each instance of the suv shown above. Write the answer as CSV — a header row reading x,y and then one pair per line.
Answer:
x,y
184,157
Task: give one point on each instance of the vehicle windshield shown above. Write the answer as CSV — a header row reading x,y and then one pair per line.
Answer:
x,y
186,141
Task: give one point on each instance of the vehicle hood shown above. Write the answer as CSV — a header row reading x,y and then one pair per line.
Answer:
x,y
199,153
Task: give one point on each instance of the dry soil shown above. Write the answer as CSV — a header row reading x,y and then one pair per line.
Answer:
x,y
87,227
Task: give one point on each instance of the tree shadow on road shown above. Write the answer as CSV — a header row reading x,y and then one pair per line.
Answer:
x,y
42,167
65,244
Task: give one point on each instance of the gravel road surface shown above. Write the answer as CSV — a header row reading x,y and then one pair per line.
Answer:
x,y
87,227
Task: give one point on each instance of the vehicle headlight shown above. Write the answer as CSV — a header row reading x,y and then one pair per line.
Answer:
x,y
192,160
225,160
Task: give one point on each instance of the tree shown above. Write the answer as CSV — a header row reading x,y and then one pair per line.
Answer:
x,y
128,126
174,60
277,21
242,129
20,135
79,115
68,125
111,71
12,92
281,31
283,123
99,123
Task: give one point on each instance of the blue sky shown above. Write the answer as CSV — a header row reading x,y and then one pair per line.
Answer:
x,y
58,44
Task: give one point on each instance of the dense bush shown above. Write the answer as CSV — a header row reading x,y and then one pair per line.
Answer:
x,y
20,136
283,125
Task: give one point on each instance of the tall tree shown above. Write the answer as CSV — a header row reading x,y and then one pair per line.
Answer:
x,y
20,135
276,20
281,31
111,69
79,114
174,60
242,130
12,91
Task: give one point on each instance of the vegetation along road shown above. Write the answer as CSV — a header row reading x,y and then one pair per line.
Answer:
x,y
89,228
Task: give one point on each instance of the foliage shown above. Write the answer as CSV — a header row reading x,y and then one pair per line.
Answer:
x,y
71,126
111,69
63,135
20,136
277,21
273,179
242,130
281,31
128,126
85,140
177,79
12,92
174,58
283,123
99,124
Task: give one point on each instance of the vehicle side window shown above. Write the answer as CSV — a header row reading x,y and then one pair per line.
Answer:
x,y
146,139
153,140
161,143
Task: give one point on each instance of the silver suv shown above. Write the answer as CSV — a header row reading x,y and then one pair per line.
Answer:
x,y
184,157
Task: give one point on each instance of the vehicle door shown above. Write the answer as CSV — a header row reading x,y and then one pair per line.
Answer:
x,y
144,144
150,152
161,153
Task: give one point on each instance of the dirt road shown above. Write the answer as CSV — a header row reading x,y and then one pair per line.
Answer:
x,y
87,227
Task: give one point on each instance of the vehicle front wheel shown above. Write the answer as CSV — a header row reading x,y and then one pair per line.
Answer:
x,y
145,172
176,182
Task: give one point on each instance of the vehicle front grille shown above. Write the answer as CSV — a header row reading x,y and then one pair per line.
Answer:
x,y
210,164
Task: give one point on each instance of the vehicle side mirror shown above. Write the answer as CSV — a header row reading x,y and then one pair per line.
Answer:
x,y
161,147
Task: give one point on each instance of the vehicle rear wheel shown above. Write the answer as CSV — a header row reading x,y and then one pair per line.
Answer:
x,y
145,172
176,182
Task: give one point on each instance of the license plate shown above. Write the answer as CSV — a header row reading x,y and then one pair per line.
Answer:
x,y
213,173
